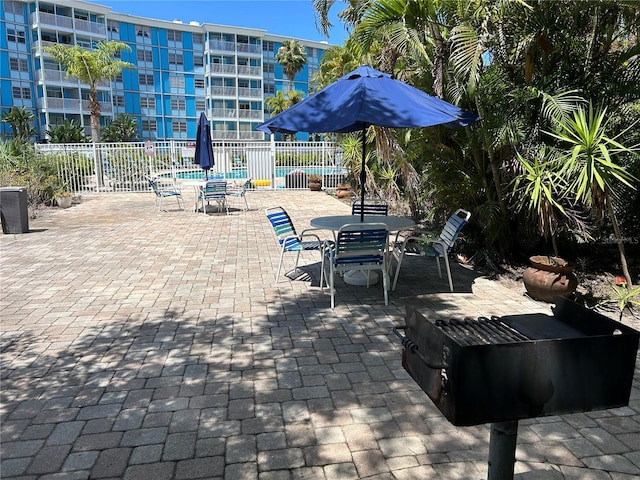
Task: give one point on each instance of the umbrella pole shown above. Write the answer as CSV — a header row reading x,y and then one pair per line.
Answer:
x,y
363,173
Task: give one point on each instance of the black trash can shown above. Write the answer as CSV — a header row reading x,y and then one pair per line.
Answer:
x,y
296,179
13,210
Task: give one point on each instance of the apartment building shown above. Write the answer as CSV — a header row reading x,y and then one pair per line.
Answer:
x,y
181,69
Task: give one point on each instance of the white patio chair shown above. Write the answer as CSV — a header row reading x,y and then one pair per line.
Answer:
x,y
432,247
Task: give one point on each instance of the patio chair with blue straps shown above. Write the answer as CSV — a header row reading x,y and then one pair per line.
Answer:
x,y
288,239
357,247
421,245
165,191
214,190
370,207
241,193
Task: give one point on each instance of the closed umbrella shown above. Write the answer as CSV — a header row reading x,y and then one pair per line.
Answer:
x,y
366,97
204,147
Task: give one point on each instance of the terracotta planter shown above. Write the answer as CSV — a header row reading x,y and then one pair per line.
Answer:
x,y
343,192
548,277
315,186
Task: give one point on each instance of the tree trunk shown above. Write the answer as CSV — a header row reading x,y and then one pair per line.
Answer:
x,y
623,257
94,111
438,61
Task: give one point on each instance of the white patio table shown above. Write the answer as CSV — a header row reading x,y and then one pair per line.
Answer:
x,y
394,223
197,185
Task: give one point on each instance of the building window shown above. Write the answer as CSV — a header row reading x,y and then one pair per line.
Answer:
x,y
118,101
174,36
198,83
147,102
145,79
179,126
13,11
176,82
267,46
18,64
17,36
269,89
178,104
143,31
200,105
176,59
118,78
112,26
198,39
198,61
21,93
149,126
144,55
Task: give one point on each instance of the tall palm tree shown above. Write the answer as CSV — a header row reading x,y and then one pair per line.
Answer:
x,y
292,56
91,67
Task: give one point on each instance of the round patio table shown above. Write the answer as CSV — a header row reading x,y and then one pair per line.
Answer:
x,y
394,223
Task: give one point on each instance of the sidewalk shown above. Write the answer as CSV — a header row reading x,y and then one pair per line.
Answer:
x,y
144,345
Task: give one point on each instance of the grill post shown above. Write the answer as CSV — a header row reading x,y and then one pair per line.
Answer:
x,y
502,450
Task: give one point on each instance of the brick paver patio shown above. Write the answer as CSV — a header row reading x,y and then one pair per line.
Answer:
x,y
144,345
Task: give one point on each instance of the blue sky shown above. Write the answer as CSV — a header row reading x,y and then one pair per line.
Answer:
x,y
293,18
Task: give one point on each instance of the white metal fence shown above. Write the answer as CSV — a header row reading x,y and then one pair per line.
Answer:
x,y
125,167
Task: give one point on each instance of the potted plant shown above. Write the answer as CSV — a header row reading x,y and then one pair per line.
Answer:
x,y
63,197
541,190
315,182
343,190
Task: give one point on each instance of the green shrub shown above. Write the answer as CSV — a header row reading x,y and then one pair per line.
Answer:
x,y
21,167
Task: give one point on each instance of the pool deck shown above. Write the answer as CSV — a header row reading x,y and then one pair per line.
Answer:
x,y
157,345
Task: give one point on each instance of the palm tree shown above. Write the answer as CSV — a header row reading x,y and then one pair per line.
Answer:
x,y
589,159
91,67
281,102
277,104
292,56
124,128
68,132
20,120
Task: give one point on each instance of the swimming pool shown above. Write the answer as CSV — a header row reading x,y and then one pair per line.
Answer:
x,y
243,173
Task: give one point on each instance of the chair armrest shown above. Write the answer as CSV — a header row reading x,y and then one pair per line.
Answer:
x,y
425,242
415,235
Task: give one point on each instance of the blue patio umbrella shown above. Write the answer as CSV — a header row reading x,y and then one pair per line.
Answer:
x,y
204,147
362,98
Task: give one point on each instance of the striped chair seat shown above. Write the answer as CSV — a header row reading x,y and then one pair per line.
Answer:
x,y
432,247
287,237
357,247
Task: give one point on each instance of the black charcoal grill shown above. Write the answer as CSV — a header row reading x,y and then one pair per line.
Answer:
x,y
502,369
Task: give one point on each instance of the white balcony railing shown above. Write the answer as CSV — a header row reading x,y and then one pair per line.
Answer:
x,y
224,112
252,114
249,71
248,48
222,91
72,105
220,45
62,21
221,68
250,92
224,134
